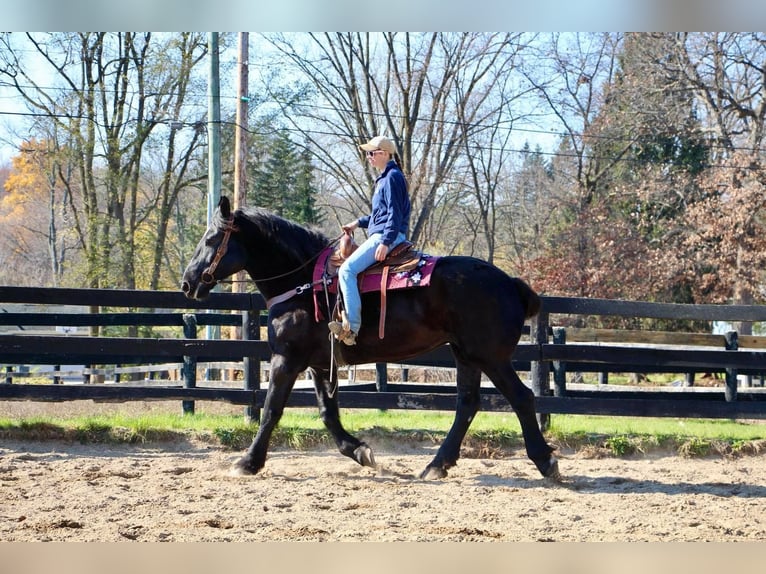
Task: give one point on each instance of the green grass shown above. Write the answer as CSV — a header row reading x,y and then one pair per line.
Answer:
x,y
490,433
688,437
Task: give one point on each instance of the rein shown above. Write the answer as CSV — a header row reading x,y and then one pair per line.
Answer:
x,y
311,259
229,228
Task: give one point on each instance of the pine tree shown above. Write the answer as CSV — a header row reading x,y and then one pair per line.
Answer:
x,y
305,192
283,180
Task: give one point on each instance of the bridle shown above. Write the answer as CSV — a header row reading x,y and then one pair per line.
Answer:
x,y
207,274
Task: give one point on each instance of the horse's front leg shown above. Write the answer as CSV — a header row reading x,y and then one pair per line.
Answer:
x,y
281,381
326,384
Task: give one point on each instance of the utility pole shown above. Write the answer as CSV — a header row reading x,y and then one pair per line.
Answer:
x,y
240,142
240,148
213,129
214,155
250,320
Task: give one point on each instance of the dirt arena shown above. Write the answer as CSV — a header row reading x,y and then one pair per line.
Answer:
x,y
182,491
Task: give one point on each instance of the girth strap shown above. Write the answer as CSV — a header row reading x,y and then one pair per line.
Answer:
x,y
383,285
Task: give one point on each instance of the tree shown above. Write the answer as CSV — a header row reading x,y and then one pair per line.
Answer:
x,y
726,72
721,250
651,126
34,215
525,208
283,180
431,93
305,191
572,76
183,168
700,176
488,137
105,98
639,159
5,171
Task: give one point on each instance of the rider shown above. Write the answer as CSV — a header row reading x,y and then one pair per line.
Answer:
x,y
386,227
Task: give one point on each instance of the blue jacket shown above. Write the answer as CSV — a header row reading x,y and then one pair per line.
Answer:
x,y
390,205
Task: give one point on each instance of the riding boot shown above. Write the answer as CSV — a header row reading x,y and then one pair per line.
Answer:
x,y
345,336
342,330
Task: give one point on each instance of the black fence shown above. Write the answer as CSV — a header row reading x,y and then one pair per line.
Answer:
x,y
548,354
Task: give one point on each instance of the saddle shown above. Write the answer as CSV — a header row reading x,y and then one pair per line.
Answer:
x,y
401,259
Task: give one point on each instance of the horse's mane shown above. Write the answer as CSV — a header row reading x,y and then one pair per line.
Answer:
x,y
295,241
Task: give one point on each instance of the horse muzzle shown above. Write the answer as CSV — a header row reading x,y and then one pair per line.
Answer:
x,y
199,293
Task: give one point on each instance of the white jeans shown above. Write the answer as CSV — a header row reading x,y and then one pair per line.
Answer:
x,y
358,261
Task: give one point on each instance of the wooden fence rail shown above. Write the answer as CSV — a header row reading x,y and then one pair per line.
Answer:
x,y
548,355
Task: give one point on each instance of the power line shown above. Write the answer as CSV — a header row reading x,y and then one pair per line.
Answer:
x,y
200,124
320,107
712,145
203,123
181,123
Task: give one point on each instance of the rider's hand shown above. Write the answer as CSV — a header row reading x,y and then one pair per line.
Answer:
x,y
380,252
349,227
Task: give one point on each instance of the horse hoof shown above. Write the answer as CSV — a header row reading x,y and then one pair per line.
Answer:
x,y
433,473
237,470
364,456
242,468
553,473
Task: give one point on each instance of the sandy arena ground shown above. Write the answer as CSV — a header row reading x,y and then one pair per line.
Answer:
x,y
183,491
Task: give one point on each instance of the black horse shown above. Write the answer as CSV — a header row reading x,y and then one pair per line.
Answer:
x,y
473,306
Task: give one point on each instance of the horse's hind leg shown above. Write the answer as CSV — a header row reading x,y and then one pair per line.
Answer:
x,y
327,399
468,402
522,400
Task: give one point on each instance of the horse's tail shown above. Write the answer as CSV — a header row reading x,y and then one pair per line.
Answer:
x,y
529,298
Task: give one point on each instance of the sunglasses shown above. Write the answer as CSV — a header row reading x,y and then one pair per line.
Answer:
x,y
373,152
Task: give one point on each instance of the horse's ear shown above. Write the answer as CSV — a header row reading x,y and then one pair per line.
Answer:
x,y
225,207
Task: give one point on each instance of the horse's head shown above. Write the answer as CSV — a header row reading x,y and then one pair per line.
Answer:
x,y
218,255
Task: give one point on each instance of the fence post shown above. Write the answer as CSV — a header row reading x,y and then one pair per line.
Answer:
x,y
539,371
381,377
190,363
251,331
559,367
730,388
8,375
